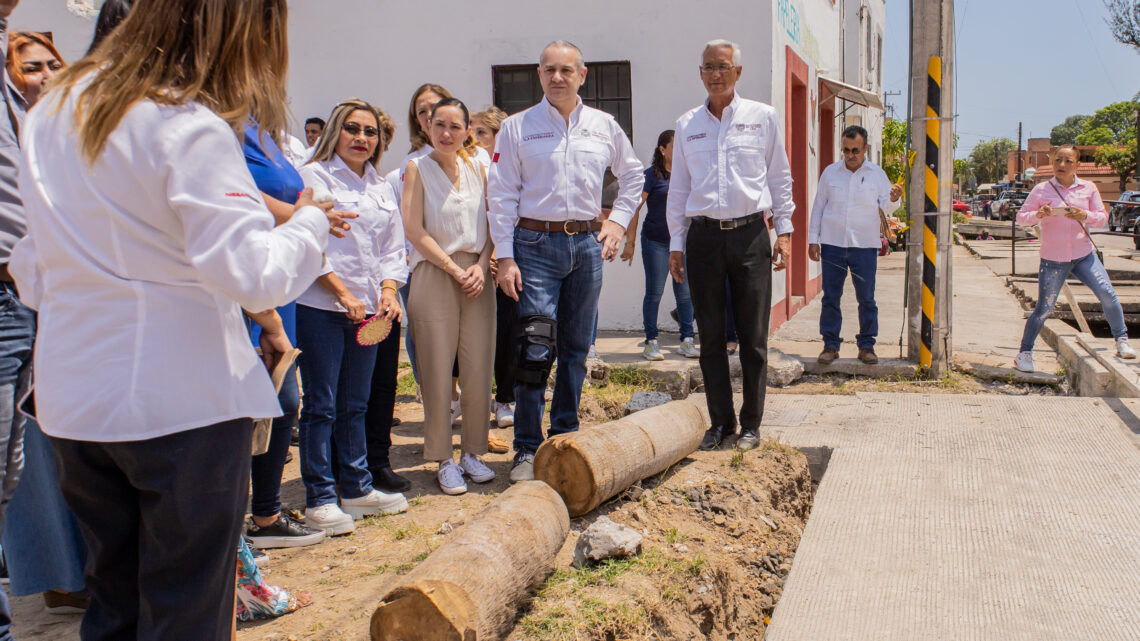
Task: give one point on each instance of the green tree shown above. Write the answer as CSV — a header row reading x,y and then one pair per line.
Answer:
x,y
1124,20
1115,123
1066,133
1122,159
989,159
894,149
963,169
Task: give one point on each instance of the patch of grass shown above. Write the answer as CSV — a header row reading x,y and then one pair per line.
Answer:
x,y
675,536
695,566
737,459
416,501
620,620
628,375
406,384
774,444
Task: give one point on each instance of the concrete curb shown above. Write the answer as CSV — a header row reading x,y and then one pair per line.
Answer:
x,y
1126,382
1084,370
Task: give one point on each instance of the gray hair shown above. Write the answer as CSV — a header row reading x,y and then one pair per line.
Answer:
x,y
720,42
563,44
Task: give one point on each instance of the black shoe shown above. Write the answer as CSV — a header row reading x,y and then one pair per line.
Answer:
x,y
748,439
282,533
296,440
384,479
396,421
714,436
674,316
288,457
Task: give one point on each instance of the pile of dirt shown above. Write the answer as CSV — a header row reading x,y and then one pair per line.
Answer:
x,y
721,529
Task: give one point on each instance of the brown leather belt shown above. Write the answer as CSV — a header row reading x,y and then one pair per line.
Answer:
x,y
564,226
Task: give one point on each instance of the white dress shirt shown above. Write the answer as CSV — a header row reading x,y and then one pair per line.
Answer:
x,y
139,266
372,251
847,203
548,170
294,150
728,168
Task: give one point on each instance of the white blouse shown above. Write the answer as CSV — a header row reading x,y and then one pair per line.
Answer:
x,y
455,218
139,266
372,251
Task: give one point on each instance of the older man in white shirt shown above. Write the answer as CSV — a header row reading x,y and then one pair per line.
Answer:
x,y
730,172
545,195
844,235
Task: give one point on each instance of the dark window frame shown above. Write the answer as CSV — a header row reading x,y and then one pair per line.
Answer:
x,y
616,97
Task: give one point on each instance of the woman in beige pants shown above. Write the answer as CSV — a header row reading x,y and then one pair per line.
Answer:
x,y
453,311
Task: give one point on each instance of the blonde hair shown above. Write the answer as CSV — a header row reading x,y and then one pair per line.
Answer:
x,y
416,133
491,116
16,45
230,56
325,148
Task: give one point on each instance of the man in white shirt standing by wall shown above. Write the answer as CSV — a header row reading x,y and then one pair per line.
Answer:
x,y
844,235
730,171
545,194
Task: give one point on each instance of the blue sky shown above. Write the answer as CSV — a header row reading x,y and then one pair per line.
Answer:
x,y
1010,54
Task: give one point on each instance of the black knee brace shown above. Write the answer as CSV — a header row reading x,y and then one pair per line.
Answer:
x,y
536,349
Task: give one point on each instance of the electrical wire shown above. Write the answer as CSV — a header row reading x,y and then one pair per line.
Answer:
x,y
1096,49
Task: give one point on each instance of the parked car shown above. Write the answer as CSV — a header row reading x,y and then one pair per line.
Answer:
x,y
962,207
1008,204
1123,215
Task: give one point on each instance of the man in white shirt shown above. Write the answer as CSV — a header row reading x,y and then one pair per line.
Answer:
x,y
545,193
844,234
730,172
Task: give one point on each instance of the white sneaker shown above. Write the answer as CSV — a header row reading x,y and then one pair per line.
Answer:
x,y
652,352
451,478
1123,349
523,469
593,353
504,415
689,350
456,411
476,469
375,502
1024,361
329,518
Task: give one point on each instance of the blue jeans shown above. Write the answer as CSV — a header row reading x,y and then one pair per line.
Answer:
x,y
862,263
338,378
1049,282
562,278
42,542
17,334
409,344
655,258
266,469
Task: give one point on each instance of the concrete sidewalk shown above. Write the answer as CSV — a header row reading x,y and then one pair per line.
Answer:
x,y
987,318
964,517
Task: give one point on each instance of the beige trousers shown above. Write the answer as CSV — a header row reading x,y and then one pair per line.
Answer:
x,y
445,322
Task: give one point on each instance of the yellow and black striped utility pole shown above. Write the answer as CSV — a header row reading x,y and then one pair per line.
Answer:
x,y
932,134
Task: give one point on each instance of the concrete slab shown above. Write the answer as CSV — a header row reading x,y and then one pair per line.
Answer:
x,y
963,517
988,319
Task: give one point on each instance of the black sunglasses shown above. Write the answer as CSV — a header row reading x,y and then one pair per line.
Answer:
x,y
353,129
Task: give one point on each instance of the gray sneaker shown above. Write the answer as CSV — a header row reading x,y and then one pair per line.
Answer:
x,y
689,349
652,352
451,478
523,469
748,440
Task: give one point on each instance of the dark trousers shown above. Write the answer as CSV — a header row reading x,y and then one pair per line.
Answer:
x,y
506,328
161,518
862,263
266,469
382,401
743,256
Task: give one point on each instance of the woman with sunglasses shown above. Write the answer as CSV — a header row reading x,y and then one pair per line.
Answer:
x,y
445,214
364,270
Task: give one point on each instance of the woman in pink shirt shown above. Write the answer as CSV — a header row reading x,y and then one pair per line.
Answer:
x,y
1065,207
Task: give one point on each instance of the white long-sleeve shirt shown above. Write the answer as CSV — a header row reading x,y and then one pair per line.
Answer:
x,y
372,251
728,168
139,266
847,203
548,170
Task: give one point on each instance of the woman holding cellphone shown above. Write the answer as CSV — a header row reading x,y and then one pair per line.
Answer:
x,y
1065,207
453,310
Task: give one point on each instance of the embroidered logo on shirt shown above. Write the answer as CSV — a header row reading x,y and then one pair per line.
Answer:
x,y
539,136
237,194
596,135
696,137
749,127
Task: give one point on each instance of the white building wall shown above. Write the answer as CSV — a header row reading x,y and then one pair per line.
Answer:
x,y
382,52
